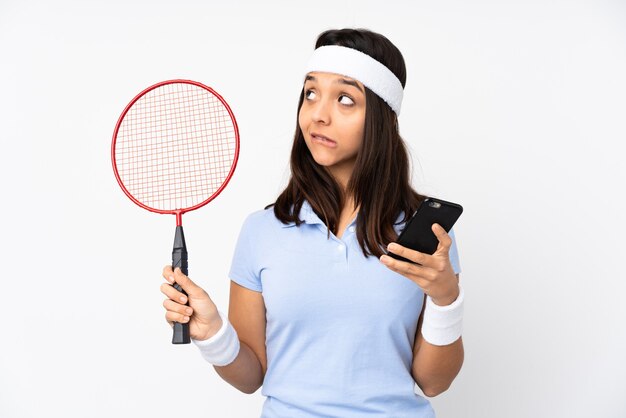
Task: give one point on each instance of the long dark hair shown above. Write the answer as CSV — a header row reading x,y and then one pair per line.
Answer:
x,y
380,182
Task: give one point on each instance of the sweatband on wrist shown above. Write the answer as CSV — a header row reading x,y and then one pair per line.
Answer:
x,y
443,325
355,64
222,348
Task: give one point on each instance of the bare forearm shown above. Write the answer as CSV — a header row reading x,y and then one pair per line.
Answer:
x,y
245,372
435,367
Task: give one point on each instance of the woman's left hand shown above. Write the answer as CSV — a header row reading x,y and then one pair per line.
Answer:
x,y
433,273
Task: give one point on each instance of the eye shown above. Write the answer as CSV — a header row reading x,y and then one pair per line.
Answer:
x,y
346,100
309,94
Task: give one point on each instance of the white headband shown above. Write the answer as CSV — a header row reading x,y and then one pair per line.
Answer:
x,y
355,64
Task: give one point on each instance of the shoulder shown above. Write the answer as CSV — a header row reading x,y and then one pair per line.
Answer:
x,y
400,222
262,220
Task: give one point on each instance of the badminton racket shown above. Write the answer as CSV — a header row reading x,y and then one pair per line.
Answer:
x,y
175,148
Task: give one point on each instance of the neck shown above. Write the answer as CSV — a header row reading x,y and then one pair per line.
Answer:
x,y
342,174
348,207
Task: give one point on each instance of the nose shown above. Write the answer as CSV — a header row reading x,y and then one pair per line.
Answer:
x,y
320,113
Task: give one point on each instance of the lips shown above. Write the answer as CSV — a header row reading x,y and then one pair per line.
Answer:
x,y
324,140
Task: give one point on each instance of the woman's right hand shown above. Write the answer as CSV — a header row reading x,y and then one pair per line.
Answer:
x,y
201,314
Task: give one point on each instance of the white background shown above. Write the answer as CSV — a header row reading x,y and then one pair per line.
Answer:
x,y
515,109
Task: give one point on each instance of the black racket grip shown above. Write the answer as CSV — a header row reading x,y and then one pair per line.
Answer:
x,y
179,259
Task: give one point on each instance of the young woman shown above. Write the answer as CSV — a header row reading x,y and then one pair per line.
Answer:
x,y
318,315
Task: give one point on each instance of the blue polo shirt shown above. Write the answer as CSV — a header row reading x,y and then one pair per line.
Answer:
x,y
340,326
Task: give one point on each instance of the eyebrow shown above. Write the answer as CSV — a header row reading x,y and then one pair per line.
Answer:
x,y
339,81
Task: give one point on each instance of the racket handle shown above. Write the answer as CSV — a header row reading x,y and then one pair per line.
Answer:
x,y
179,259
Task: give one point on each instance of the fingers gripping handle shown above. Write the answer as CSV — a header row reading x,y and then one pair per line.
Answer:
x,y
179,259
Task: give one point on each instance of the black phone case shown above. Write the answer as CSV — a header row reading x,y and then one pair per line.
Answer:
x,y
418,234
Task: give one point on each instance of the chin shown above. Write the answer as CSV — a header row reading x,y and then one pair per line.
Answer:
x,y
324,162
324,159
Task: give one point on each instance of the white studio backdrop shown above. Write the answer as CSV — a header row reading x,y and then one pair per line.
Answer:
x,y
515,109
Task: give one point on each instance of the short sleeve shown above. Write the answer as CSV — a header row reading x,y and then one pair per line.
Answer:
x,y
244,267
454,254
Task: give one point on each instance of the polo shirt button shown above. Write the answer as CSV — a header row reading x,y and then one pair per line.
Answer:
x,y
340,247
351,229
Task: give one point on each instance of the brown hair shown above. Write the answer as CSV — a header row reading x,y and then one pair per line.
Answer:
x,y
380,182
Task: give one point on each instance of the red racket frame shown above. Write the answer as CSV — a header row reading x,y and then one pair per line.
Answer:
x,y
177,212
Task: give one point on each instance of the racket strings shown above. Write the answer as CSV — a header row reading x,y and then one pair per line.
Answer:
x,y
175,146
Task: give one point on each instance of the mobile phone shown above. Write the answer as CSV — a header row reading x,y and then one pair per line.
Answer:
x,y
418,234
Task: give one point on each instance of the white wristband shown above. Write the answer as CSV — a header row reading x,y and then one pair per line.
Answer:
x,y
443,325
222,348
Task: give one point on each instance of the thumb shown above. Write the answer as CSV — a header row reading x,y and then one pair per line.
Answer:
x,y
192,289
444,240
